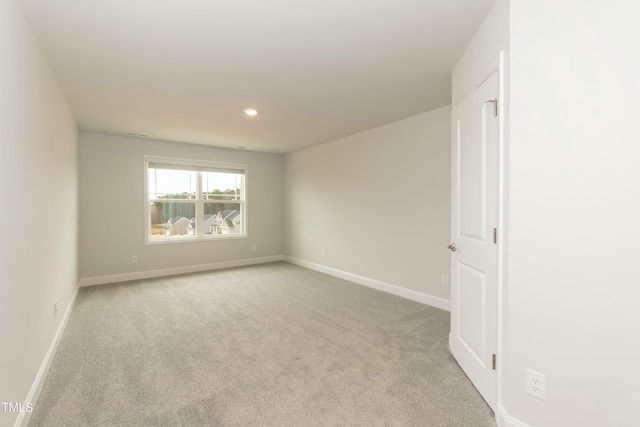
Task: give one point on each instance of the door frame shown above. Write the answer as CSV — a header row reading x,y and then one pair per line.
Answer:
x,y
503,222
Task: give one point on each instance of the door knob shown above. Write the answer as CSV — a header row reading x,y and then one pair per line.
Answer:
x,y
452,247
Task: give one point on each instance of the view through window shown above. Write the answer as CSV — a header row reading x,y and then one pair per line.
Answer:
x,y
192,200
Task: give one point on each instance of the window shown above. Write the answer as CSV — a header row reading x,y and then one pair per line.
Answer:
x,y
194,200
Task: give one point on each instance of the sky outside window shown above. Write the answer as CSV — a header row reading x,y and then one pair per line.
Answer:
x,y
220,181
165,181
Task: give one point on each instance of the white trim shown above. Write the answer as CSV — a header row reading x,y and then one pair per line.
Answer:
x,y
38,383
192,239
240,167
420,297
502,224
136,275
505,420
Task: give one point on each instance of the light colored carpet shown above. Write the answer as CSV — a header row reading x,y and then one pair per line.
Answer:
x,y
265,345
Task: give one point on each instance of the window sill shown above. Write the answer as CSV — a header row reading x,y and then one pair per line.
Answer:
x,y
170,241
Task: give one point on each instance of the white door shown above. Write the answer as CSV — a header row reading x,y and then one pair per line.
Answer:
x,y
474,258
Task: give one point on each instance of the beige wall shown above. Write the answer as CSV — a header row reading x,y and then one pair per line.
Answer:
x,y
112,207
39,187
574,292
481,55
376,202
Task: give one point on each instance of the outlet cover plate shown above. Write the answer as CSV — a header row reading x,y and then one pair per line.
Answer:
x,y
536,384
445,280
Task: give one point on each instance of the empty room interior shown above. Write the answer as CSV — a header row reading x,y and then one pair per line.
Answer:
x,y
411,213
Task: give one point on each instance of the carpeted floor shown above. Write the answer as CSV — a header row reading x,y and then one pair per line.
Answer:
x,y
265,345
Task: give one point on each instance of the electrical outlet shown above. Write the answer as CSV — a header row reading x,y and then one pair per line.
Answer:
x,y
55,308
536,384
324,253
134,259
254,248
445,280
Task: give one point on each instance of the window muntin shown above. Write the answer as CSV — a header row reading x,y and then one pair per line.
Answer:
x,y
194,200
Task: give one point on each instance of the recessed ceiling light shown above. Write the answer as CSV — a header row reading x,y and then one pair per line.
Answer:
x,y
250,111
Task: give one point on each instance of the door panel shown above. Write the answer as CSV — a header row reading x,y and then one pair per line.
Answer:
x,y
474,264
472,194
471,293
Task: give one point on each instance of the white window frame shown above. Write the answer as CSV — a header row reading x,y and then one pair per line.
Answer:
x,y
199,200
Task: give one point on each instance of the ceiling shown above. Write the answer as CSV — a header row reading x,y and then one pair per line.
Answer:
x,y
316,70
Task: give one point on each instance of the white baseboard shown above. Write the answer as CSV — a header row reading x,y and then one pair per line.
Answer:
x,y
420,297
505,420
148,274
36,388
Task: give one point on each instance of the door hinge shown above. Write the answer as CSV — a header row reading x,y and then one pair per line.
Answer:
x,y
494,101
495,235
493,362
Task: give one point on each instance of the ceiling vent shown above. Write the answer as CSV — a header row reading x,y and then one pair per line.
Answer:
x,y
137,135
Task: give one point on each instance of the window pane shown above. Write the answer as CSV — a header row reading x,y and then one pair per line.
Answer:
x,y
172,219
171,184
221,186
222,218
